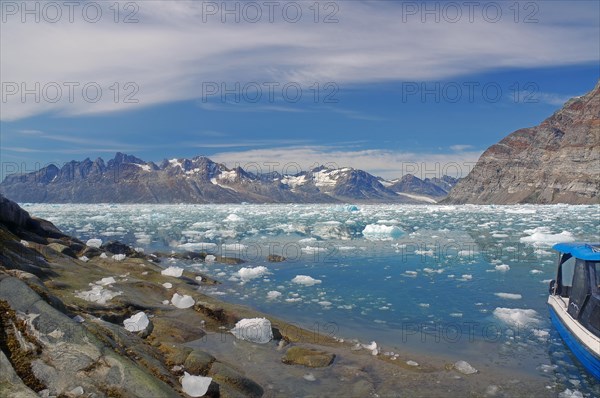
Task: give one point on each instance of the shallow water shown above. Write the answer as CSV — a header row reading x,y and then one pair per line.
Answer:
x,y
461,282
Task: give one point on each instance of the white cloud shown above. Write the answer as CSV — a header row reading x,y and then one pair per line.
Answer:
x,y
384,163
171,51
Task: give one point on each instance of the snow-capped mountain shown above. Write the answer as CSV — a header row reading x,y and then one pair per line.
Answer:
x,y
128,179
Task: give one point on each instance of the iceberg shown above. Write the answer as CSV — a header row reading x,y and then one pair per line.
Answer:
x,y
255,330
305,280
516,316
382,232
137,323
273,294
510,296
542,236
248,273
195,386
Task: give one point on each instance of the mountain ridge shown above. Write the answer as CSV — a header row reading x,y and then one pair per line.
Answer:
x,y
128,179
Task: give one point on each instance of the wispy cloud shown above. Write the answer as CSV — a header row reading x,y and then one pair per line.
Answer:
x,y
385,163
370,43
461,148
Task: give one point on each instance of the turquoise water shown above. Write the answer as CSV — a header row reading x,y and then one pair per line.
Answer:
x,y
460,282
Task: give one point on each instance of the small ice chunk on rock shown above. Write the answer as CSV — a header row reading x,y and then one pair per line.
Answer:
x,y
137,323
465,368
103,255
94,243
382,232
195,386
106,281
97,295
172,271
77,391
255,330
167,285
24,243
184,301
309,377
85,259
119,257
305,280
412,363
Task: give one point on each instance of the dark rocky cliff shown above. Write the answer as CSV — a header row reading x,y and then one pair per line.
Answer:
x,y
555,162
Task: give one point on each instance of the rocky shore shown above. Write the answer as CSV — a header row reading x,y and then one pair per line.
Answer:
x,y
108,321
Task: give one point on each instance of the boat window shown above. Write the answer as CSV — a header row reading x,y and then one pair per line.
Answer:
x,y
596,269
567,270
580,289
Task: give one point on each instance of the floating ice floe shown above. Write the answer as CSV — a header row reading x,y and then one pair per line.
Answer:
x,y
465,368
570,394
255,330
137,323
94,243
198,246
234,247
172,271
510,296
210,258
195,386
517,316
502,267
542,236
184,301
305,280
233,218
273,294
248,273
119,257
382,232
466,277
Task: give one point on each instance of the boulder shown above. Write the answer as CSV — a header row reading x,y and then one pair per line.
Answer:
x,y
308,357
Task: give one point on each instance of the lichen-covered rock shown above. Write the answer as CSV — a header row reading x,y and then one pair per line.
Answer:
x,y
224,374
198,362
309,357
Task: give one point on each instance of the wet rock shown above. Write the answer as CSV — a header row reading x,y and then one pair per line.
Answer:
x,y
175,354
224,375
274,258
90,252
307,357
198,362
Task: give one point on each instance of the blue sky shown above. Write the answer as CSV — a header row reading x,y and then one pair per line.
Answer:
x,y
398,91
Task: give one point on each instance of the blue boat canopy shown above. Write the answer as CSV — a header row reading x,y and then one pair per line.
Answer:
x,y
582,250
